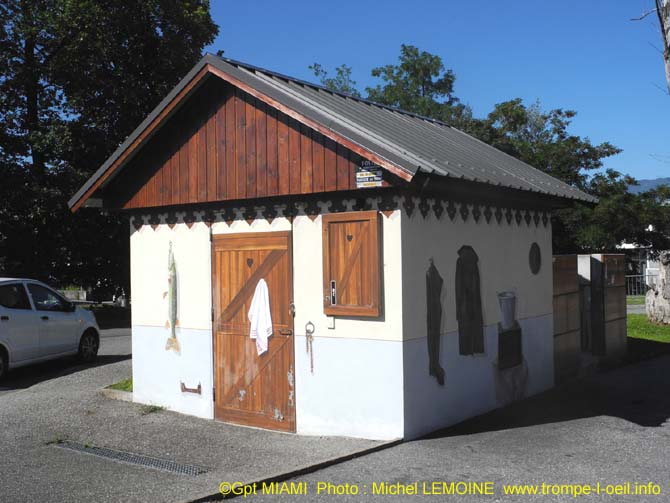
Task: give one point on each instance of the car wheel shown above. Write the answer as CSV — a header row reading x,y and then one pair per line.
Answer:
x,y
4,364
88,346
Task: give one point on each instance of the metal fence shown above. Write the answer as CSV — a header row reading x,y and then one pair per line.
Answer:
x,y
639,284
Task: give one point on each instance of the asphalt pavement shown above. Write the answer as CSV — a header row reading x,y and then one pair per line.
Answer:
x,y
611,429
45,408
115,345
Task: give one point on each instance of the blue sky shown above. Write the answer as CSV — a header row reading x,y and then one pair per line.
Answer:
x,y
584,55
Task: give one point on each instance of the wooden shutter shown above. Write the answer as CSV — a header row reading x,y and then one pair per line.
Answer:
x,y
351,264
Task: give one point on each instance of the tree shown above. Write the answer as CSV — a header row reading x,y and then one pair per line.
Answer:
x,y
419,84
76,77
542,139
342,82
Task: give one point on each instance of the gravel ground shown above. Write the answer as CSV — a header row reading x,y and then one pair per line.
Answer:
x,y
68,406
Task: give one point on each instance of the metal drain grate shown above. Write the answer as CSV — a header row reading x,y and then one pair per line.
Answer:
x,y
166,465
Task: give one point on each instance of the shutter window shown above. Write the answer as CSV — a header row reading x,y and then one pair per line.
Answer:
x,y
351,264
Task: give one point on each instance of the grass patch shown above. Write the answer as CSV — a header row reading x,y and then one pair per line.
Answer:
x,y
639,327
58,439
150,409
635,300
125,385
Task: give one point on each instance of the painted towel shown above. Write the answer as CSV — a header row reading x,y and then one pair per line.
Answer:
x,y
260,317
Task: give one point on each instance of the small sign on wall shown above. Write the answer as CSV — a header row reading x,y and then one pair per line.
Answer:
x,y
368,174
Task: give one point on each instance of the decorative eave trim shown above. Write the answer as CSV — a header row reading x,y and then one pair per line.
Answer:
x,y
385,201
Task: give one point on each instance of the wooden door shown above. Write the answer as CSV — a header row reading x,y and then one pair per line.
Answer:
x,y
252,389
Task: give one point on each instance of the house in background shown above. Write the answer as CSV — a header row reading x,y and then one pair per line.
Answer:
x,y
407,264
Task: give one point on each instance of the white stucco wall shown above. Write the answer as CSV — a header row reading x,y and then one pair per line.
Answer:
x,y
356,386
157,373
370,376
473,385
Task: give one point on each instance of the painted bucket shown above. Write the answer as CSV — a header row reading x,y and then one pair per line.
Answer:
x,y
507,302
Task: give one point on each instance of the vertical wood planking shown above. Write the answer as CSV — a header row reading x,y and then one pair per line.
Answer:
x,y
305,160
183,173
250,111
240,145
294,156
272,154
261,150
221,149
231,158
228,145
342,167
330,165
211,146
283,154
201,167
317,162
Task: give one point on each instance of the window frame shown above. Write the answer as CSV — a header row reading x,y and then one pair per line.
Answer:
x,y
20,284
374,309
66,304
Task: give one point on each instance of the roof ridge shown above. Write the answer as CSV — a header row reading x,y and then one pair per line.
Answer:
x,y
320,87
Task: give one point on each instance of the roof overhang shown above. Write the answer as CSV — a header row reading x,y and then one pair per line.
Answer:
x,y
212,65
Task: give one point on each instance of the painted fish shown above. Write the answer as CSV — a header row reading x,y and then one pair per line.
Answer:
x,y
172,322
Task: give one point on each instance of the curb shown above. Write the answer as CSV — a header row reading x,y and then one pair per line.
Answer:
x,y
116,394
217,496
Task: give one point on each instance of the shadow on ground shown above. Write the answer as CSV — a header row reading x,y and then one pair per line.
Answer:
x,y
25,377
112,316
637,393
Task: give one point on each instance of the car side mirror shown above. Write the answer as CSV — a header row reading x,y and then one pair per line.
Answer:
x,y
71,307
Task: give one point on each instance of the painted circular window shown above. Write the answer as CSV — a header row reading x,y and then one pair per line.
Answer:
x,y
535,258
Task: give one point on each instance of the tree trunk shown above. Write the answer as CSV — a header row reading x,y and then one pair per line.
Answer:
x,y
663,12
32,91
658,298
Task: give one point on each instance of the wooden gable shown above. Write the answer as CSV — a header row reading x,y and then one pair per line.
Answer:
x,y
224,144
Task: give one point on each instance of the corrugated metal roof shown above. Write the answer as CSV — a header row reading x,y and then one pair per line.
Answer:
x,y
413,142
409,141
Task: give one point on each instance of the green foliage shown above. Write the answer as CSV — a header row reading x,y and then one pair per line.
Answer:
x,y
76,76
421,84
150,409
342,82
639,327
125,385
635,300
542,139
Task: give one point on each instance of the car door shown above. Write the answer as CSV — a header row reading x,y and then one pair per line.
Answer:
x,y
19,329
57,321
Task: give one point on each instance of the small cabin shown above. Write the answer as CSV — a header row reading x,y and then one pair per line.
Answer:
x,y
401,267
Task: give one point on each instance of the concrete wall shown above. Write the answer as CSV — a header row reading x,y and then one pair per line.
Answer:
x,y
473,384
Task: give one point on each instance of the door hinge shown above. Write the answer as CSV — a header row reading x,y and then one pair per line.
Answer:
x,y
212,314
213,394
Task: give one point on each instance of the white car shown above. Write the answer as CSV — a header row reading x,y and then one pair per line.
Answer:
x,y
38,324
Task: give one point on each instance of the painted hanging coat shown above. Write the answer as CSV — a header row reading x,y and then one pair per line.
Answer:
x,y
171,294
434,320
469,303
